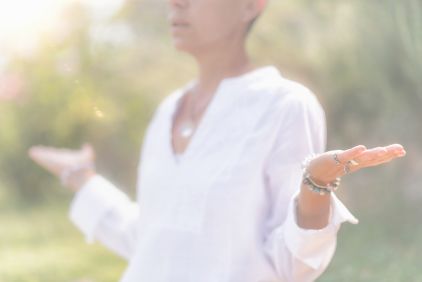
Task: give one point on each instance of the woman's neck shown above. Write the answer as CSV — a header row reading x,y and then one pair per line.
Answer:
x,y
216,65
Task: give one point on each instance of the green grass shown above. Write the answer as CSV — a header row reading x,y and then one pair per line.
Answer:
x,y
377,251
39,244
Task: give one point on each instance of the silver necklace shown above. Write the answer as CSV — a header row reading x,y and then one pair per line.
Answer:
x,y
188,126
186,129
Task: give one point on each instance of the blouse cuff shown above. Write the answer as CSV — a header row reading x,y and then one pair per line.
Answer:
x,y
309,245
91,202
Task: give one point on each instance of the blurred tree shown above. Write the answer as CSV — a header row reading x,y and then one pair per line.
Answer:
x,y
363,60
76,93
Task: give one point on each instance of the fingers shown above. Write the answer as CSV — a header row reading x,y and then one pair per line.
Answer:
x,y
380,155
40,153
87,148
359,157
397,149
371,154
379,161
40,149
337,163
351,154
57,159
35,152
45,159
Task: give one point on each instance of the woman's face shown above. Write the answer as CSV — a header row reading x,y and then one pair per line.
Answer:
x,y
198,25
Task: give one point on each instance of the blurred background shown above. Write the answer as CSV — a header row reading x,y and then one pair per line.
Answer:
x,y
94,71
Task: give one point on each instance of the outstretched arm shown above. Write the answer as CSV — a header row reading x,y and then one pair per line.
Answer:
x,y
313,208
302,227
99,209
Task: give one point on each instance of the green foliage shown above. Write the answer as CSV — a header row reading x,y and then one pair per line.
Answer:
x,y
363,59
74,95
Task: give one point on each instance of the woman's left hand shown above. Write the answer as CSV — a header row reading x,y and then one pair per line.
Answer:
x,y
328,166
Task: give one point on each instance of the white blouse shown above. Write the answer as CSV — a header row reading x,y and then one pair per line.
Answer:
x,y
224,210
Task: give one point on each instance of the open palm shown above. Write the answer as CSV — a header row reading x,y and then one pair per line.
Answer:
x,y
332,164
58,161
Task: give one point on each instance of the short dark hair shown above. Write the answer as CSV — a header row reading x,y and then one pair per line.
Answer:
x,y
251,25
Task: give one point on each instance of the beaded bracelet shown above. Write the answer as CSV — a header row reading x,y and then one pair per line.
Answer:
x,y
314,187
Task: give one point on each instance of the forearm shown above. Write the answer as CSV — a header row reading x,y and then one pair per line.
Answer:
x,y
313,209
302,253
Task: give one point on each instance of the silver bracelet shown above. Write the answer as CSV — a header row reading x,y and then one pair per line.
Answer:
x,y
314,187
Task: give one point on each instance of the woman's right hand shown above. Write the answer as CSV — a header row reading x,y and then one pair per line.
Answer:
x,y
325,169
62,163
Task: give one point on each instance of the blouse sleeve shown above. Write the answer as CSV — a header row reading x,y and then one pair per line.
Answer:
x,y
298,254
104,213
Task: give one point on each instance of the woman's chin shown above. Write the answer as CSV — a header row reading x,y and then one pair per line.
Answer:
x,y
180,45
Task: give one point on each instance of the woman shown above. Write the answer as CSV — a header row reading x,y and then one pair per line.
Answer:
x,y
221,192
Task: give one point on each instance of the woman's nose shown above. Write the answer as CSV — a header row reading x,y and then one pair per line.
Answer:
x,y
179,3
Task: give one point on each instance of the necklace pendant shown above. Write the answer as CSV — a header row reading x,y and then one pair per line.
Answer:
x,y
186,129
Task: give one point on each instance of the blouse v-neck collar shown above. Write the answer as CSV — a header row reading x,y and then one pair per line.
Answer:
x,y
229,84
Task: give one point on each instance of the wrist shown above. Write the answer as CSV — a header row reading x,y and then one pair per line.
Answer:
x,y
312,209
75,177
317,185
78,180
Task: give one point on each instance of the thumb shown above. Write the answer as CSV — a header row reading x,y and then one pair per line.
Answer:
x,y
89,150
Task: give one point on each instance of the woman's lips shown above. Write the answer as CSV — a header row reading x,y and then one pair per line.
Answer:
x,y
177,27
178,22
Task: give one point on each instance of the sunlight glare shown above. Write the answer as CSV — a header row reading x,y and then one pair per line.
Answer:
x,y
21,21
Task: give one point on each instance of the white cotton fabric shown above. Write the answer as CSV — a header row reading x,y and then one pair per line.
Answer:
x,y
224,210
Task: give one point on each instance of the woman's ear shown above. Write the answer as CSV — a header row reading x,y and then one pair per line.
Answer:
x,y
261,4
253,8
